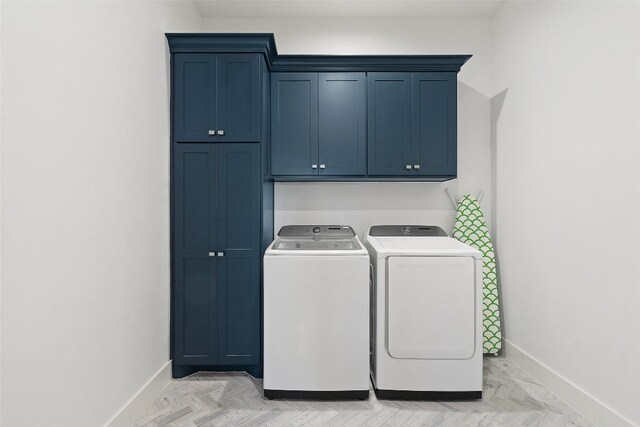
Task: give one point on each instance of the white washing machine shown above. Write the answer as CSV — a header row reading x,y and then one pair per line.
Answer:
x,y
426,314
316,314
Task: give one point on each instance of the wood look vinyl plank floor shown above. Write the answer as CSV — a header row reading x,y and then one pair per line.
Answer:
x,y
511,398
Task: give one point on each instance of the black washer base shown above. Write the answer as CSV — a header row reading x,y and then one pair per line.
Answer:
x,y
319,395
427,395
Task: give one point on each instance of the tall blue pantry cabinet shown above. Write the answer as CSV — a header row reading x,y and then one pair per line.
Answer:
x,y
221,200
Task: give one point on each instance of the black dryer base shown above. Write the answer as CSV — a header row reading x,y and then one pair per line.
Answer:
x,y
427,395
317,395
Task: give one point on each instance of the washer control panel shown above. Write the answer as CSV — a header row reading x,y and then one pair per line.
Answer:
x,y
335,231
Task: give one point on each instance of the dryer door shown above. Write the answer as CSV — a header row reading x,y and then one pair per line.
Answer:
x,y
430,307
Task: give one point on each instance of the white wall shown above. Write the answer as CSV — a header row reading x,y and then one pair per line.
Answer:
x,y
1,322
365,204
85,205
568,230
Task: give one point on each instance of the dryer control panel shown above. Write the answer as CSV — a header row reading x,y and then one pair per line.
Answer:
x,y
407,230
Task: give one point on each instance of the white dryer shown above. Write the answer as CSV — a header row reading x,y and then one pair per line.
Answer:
x,y
316,314
426,314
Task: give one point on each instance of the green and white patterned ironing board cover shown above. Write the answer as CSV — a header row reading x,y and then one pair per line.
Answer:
x,y
471,228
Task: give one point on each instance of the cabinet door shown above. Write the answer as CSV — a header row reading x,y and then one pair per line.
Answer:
x,y
389,123
238,98
294,123
194,271
239,311
194,90
434,123
342,104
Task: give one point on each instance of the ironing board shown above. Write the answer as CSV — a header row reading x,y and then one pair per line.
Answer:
x,y
471,228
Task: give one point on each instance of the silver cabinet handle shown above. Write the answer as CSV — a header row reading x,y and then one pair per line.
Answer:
x,y
212,132
322,166
408,167
416,166
220,254
220,132
212,254
314,166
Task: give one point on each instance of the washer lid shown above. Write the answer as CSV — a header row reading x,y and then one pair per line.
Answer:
x,y
317,231
309,246
407,230
317,238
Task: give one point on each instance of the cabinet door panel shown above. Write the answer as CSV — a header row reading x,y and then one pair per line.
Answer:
x,y
194,272
239,313
239,196
238,97
389,123
294,123
197,210
195,93
434,123
198,308
239,316
342,123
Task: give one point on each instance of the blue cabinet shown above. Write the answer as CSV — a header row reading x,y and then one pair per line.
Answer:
x,y
390,125
434,124
216,97
216,254
221,201
342,124
239,256
238,97
194,106
318,124
294,124
389,114
412,124
318,117
195,284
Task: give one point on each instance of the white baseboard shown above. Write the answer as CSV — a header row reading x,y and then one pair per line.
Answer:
x,y
587,405
135,407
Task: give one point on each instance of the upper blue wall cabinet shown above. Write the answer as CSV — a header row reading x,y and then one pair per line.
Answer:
x,y
318,124
434,130
294,124
389,109
412,124
342,124
333,118
216,97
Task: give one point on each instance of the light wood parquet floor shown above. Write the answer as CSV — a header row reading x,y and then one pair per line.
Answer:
x,y
511,398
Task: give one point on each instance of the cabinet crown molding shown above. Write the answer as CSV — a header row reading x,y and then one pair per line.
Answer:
x,y
265,44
